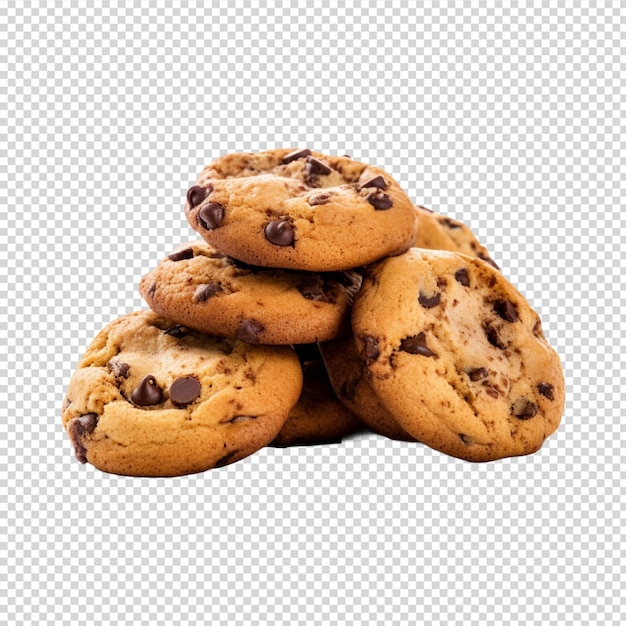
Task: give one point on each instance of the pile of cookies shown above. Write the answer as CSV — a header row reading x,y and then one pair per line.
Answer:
x,y
319,301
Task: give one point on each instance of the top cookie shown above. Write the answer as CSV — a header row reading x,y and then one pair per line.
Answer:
x,y
300,210
457,355
439,232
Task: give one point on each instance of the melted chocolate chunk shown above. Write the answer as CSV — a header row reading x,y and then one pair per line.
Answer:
x,y
506,310
147,393
370,350
524,409
380,201
181,255
280,233
377,181
417,345
487,259
196,195
249,331
492,391
313,289
462,276
478,373
428,302
185,390
228,458
77,428
119,369
177,331
294,156
493,338
449,223
546,390
313,169
211,216
204,292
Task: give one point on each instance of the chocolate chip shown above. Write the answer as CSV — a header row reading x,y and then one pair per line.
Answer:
x,y
506,310
211,216
77,428
320,198
147,393
294,156
417,345
249,331
449,223
492,391
462,276
152,290
185,390
177,331
196,195
377,181
547,390
280,233
488,259
313,289
380,201
228,458
524,409
119,369
478,373
493,338
347,156
204,292
315,168
370,350
428,302
180,255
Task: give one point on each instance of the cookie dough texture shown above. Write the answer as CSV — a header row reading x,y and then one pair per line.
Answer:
x,y
346,373
439,232
300,210
318,416
153,398
457,355
206,290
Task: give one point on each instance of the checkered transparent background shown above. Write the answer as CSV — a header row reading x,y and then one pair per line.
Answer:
x,y
505,115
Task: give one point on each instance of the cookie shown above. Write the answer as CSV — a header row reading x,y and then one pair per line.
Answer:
x,y
300,210
439,232
346,373
204,289
153,398
457,355
318,417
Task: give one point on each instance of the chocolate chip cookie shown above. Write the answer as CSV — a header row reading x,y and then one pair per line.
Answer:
x,y
439,232
300,210
346,372
204,289
318,417
153,398
457,355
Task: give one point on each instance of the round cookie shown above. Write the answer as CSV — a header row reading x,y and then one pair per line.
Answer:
x,y
457,355
204,289
300,210
318,417
347,377
153,398
439,232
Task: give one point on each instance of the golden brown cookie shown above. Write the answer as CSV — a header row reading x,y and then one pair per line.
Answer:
x,y
153,398
300,210
457,355
318,417
346,372
202,288
439,232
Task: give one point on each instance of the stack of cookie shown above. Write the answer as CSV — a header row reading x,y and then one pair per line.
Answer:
x,y
319,301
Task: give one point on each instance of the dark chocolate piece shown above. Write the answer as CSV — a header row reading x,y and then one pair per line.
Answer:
x,y
147,393
185,390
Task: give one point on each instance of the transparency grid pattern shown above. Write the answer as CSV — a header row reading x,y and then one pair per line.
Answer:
x,y
506,115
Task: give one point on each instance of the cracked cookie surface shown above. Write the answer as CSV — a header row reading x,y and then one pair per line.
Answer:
x,y
153,398
300,210
206,290
457,355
